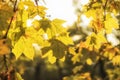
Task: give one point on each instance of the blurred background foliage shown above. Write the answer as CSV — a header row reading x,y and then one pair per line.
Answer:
x,y
75,67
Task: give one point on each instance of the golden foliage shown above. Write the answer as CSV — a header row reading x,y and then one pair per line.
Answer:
x,y
110,24
94,41
4,47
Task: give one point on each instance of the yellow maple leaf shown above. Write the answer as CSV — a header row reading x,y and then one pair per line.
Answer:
x,y
52,59
95,40
110,51
62,59
96,22
76,58
28,50
110,24
116,60
91,13
36,24
65,39
18,48
94,13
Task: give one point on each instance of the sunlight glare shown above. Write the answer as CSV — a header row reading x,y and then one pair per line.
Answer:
x,y
62,9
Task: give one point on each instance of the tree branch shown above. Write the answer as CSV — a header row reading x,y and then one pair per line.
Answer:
x,y
104,7
5,62
14,10
5,36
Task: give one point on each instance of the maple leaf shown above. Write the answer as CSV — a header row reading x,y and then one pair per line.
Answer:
x,y
51,58
18,48
116,60
110,52
110,24
65,38
23,46
59,49
95,41
76,58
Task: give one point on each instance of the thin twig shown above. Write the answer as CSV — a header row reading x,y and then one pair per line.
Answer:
x,y
104,7
5,36
104,17
5,62
14,10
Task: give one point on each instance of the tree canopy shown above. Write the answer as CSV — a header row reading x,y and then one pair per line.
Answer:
x,y
21,34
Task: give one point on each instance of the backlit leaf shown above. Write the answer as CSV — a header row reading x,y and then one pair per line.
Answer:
x,y
76,58
62,59
41,10
24,46
28,50
18,48
58,21
91,13
24,16
65,39
36,24
110,24
116,60
57,26
51,59
95,40
49,55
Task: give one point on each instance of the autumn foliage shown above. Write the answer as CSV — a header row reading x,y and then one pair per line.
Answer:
x,y
22,34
